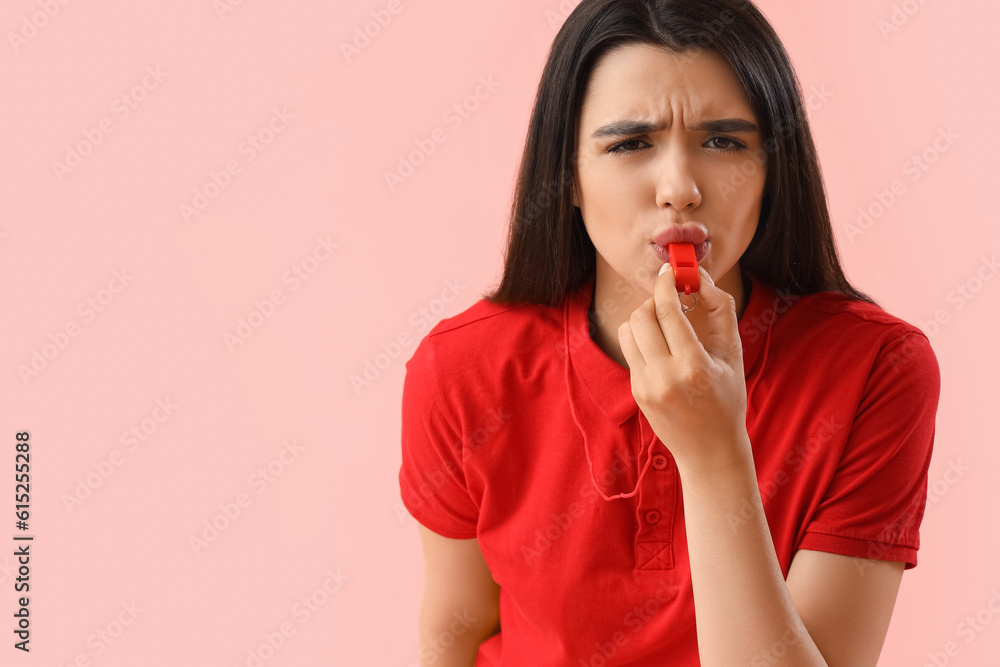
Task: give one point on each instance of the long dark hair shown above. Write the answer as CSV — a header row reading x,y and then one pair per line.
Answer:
x,y
548,249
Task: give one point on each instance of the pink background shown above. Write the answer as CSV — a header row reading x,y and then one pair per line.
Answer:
x,y
401,259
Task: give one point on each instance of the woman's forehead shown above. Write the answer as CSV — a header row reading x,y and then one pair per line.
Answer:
x,y
642,82
643,91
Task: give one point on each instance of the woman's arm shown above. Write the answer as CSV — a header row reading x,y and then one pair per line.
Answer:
x,y
846,603
460,605
746,613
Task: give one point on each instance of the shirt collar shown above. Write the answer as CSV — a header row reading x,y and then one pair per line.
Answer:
x,y
607,383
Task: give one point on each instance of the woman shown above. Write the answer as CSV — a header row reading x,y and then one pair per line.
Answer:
x,y
617,473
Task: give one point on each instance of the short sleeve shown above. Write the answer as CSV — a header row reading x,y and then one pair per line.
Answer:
x,y
875,502
431,478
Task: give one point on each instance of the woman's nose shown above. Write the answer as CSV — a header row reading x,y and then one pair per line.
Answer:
x,y
676,183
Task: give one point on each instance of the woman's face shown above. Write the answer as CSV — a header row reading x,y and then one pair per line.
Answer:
x,y
634,183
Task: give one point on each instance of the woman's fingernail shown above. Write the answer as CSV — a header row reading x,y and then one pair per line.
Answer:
x,y
664,268
707,275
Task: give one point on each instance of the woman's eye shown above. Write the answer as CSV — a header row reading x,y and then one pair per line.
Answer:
x,y
733,146
621,147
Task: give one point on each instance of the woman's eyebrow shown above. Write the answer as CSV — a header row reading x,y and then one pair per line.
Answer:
x,y
624,128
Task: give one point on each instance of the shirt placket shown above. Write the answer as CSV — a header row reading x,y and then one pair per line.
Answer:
x,y
655,510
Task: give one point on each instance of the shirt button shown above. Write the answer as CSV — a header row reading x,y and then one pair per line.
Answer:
x,y
652,516
659,461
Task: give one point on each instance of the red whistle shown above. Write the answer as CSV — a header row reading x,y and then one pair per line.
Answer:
x,y
685,265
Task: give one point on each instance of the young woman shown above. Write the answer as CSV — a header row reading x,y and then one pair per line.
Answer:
x,y
609,472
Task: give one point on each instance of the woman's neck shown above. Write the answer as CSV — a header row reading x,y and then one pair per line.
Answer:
x,y
609,308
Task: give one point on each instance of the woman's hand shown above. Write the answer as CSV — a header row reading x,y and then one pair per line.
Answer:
x,y
690,386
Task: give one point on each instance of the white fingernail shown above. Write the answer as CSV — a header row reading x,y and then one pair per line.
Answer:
x,y
664,268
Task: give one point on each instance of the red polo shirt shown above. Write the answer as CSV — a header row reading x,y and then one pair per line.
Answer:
x,y
499,403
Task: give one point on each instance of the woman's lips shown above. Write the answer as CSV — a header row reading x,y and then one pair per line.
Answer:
x,y
700,250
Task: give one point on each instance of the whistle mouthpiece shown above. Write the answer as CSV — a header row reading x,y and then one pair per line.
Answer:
x,y
685,265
